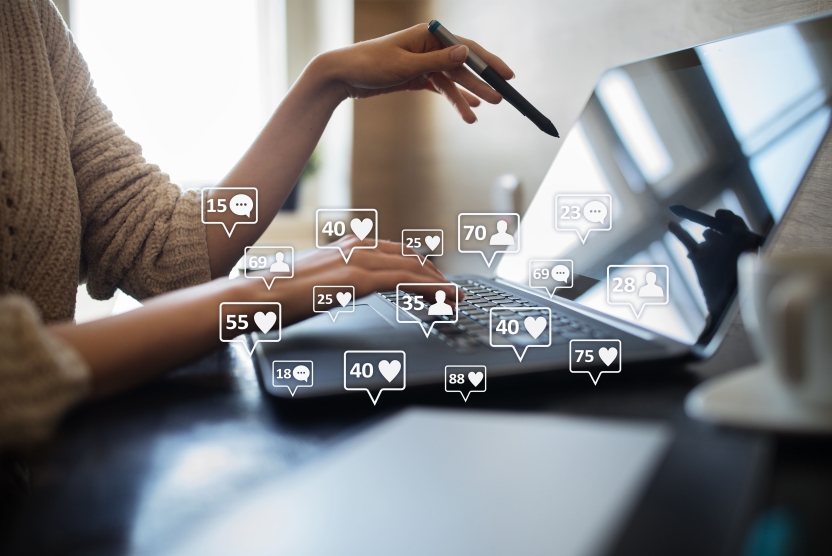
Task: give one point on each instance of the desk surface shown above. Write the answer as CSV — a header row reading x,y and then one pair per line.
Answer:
x,y
142,468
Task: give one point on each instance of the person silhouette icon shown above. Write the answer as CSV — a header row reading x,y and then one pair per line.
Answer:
x,y
651,289
501,237
279,265
440,308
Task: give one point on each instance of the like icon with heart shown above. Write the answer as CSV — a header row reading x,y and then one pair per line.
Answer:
x,y
608,355
333,300
595,357
343,298
508,328
423,243
265,321
465,379
535,326
374,371
432,242
361,228
334,225
389,369
238,319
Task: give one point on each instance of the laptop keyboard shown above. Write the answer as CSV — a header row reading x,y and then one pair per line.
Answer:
x,y
471,329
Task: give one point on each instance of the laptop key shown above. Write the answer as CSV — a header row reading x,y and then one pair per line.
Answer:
x,y
574,335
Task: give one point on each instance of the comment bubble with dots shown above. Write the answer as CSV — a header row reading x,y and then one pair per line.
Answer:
x,y
583,214
229,206
551,274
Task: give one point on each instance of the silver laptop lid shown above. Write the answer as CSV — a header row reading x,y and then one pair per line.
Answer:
x,y
727,129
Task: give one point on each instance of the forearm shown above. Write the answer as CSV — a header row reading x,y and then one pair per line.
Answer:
x,y
127,349
172,329
275,160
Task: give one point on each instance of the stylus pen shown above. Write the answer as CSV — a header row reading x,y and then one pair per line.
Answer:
x,y
709,221
492,78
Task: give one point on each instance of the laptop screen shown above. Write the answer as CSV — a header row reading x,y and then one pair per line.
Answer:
x,y
722,133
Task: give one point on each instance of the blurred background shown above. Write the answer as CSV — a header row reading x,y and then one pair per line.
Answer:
x,y
213,71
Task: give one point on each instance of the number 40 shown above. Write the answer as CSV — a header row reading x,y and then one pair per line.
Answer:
x,y
362,371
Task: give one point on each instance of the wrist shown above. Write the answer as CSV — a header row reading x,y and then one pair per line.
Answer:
x,y
250,291
323,75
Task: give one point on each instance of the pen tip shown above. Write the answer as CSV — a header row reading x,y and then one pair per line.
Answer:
x,y
549,129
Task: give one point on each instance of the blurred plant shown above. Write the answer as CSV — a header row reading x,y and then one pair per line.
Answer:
x,y
312,166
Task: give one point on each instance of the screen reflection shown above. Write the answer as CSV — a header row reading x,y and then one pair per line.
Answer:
x,y
727,129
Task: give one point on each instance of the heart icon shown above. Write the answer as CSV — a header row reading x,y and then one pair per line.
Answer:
x,y
343,298
535,326
389,369
475,378
361,228
608,355
432,242
265,321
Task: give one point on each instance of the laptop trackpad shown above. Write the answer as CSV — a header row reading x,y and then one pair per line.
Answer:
x,y
358,322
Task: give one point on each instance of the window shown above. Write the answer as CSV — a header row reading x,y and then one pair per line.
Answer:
x,y
776,105
192,81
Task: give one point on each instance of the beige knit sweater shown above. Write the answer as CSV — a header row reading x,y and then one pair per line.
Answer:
x,y
77,203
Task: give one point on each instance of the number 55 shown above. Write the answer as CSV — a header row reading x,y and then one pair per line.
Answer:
x,y
241,322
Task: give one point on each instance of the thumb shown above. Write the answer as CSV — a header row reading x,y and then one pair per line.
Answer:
x,y
439,60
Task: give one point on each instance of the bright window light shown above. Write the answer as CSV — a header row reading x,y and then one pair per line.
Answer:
x,y
759,77
631,121
192,81
780,167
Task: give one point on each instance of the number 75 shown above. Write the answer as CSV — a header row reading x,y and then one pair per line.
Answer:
x,y
585,355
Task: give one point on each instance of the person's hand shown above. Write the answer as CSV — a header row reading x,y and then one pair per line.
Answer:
x,y
715,259
413,60
369,270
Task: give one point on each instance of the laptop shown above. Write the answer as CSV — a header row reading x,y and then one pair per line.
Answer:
x,y
676,165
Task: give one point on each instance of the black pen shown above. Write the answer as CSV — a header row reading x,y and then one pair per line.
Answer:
x,y
492,78
709,221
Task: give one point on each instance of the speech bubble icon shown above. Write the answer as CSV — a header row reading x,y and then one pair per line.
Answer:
x,y
241,205
268,263
333,225
465,379
595,357
423,243
561,273
426,310
245,317
638,286
508,328
227,205
595,211
488,233
333,300
583,213
551,274
301,372
292,374
375,371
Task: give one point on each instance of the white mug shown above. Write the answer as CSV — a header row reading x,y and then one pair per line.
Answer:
x,y
786,303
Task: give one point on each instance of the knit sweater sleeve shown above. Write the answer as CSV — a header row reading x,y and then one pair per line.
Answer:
x,y
140,232
40,376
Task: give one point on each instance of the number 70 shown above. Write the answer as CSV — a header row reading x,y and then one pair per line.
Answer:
x,y
478,231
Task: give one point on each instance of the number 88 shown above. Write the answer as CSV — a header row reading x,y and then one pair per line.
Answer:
x,y
456,379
